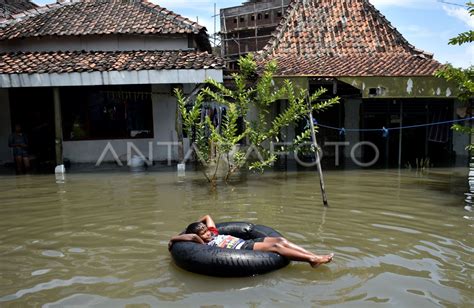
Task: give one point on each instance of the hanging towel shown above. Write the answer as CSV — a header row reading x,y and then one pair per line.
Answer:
x,y
439,133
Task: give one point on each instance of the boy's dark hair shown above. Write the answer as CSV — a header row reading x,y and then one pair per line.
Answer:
x,y
195,228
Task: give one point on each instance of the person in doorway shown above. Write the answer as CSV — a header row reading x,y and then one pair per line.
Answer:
x,y
204,232
19,143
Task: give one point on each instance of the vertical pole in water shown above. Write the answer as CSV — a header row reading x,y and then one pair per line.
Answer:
x,y
58,127
318,157
400,136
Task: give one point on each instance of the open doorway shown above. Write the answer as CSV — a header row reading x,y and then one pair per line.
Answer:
x,y
33,109
422,142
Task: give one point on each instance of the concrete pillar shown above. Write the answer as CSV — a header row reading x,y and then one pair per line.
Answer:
x,y
5,127
352,121
179,124
58,127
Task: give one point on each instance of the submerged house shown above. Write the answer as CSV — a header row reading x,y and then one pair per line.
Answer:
x,y
85,76
386,85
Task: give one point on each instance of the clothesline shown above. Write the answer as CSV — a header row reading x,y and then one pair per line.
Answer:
x,y
385,131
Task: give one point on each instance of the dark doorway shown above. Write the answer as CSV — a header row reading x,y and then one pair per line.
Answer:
x,y
33,109
421,144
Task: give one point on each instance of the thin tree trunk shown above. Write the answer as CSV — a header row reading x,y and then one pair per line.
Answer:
x,y
318,157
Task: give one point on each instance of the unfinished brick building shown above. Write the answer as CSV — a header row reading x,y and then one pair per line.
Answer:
x,y
248,27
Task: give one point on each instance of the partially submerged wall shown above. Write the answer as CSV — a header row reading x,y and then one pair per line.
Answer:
x,y
5,127
162,147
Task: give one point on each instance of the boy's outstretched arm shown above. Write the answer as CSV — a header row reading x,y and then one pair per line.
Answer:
x,y
185,238
207,220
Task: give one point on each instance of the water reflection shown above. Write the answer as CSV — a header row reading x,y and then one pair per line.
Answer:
x,y
400,238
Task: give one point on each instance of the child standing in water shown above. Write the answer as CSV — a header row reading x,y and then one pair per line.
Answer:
x,y
19,143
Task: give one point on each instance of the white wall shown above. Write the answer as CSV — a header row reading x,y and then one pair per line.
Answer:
x,y
90,151
164,115
5,127
97,43
164,119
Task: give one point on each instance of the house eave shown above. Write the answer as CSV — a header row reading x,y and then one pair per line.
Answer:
x,y
403,87
388,86
184,76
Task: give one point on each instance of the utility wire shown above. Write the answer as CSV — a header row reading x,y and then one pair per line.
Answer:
x,y
452,3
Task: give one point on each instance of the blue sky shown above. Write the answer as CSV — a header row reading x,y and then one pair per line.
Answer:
x,y
426,24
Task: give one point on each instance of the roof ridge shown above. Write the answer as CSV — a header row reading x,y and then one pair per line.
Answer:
x,y
396,32
183,19
109,51
74,62
9,8
37,11
279,30
293,7
152,8
342,38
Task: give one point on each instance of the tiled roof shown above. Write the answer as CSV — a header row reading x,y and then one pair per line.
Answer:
x,y
10,7
68,62
86,17
335,38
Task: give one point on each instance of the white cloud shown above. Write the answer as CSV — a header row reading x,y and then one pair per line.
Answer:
x,y
458,56
461,14
417,31
197,5
422,33
403,3
209,24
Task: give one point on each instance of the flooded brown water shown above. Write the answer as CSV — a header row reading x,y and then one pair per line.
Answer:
x,y
100,239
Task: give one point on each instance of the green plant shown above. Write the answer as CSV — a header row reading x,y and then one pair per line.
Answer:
x,y
251,99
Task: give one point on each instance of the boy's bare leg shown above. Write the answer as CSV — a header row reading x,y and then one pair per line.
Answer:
x,y
292,254
286,243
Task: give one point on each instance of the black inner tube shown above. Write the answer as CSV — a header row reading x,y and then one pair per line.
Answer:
x,y
223,262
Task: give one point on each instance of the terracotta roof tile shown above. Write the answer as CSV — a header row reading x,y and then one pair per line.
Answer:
x,y
84,17
81,61
336,38
12,7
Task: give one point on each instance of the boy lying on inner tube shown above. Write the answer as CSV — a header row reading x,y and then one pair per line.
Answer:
x,y
204,232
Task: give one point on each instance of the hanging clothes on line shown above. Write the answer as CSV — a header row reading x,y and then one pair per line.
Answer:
x,y
439,133
215,112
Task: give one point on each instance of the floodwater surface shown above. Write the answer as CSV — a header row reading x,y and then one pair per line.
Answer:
x,y
100,239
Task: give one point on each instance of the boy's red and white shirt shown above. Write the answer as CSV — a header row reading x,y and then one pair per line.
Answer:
x,y
224,241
